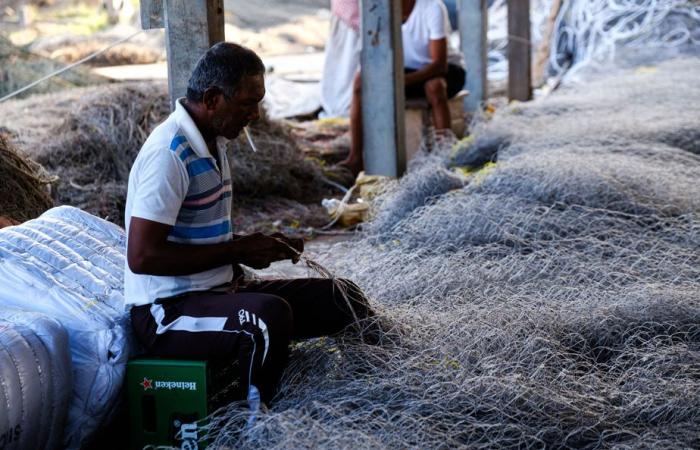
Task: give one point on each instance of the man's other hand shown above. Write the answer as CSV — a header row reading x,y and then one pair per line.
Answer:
x,y
258,250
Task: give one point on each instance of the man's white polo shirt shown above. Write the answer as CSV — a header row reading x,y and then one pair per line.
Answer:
x,y
176,181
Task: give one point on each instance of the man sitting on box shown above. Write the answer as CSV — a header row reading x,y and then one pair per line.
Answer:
x,y
182,277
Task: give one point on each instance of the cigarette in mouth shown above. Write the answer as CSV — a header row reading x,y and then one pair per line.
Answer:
x,y
250,140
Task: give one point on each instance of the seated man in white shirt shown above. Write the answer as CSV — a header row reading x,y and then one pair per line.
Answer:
x,y
182,278
433,69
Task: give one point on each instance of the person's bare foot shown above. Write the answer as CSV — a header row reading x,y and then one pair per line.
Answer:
x,y
352,165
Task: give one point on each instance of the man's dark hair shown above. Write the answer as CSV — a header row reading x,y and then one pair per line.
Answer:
x,y
224,65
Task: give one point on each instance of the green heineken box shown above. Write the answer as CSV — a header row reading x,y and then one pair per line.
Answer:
x,y
167,397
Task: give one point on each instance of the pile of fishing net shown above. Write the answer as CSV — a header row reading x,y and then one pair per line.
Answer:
x,y
20,67
592,34
99,131
69,49
91,150
551,299
584,35
24,189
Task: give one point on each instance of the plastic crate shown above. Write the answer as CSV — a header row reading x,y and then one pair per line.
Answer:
x,y
167,397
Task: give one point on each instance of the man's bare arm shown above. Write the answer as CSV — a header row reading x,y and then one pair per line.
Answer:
x,y
438,53
149,251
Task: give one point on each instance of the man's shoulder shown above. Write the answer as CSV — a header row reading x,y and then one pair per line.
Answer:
x,y
165,151
166,138
162,136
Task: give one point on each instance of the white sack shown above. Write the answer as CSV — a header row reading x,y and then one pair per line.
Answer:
x,y
35,381
69,265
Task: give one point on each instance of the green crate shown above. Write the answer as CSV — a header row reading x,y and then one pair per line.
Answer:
x,y
167,397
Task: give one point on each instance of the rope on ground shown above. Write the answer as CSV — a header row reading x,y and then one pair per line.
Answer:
x,y
69,67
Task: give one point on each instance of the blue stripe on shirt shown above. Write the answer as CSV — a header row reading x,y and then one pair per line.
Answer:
x,y
211,231
176,142
199,166
186,153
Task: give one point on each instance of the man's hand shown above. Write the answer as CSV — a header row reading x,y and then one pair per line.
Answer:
x,y
296,244
437,68
258,250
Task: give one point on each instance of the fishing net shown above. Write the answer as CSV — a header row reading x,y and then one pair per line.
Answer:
x,y
92,149
24,189
594,35
69,49
548,300
19,67
277,168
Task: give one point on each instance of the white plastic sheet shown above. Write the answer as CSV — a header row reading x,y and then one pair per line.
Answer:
x,y
69,265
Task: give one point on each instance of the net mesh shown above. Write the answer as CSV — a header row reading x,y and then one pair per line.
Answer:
x,y
594,35
24,190
551,299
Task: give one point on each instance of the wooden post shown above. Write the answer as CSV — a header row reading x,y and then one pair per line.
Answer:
x,y
473,24
191,27
152,14
519,60
538,71
383,88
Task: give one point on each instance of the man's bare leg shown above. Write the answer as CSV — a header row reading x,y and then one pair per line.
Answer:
x,y
436,93
354,161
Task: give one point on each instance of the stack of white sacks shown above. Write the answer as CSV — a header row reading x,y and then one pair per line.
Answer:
x,y
67,265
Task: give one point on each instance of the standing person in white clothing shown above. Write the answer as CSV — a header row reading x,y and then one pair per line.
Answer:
x,y
433,69
342,58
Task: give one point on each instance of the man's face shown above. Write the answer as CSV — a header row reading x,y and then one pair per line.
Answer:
x,y
232,114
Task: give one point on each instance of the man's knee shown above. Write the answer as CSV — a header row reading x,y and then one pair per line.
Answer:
x,y
352,294
351,287
271,310
436,90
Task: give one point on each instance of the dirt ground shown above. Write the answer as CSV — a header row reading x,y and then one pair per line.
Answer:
x,y
275,27
271,27
261,14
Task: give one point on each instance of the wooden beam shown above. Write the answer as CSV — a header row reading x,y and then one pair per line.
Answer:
x,y
152,14
473,24
519,50
191,27
383,99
